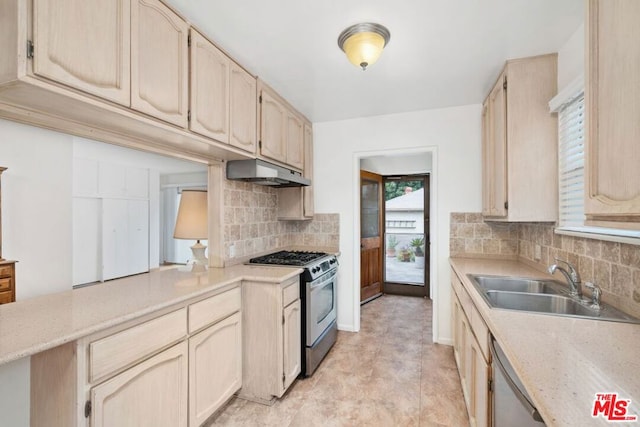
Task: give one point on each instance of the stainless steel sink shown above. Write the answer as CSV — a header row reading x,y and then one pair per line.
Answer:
x,y
552,304
516,284
541,296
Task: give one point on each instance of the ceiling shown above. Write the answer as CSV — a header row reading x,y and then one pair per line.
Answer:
x,y
442,52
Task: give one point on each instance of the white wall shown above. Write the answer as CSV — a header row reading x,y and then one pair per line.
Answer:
x,y
571,58
393,165
453,136
36,231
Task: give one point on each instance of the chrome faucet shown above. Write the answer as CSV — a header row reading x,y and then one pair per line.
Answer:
x,y
572,276
596,294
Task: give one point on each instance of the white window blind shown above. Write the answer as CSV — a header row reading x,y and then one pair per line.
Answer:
x,y
571,163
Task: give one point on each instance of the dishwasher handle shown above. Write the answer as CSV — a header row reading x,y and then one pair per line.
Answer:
x,y
514,387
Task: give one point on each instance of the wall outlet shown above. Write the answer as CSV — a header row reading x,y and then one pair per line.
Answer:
x,y
232,250
537,252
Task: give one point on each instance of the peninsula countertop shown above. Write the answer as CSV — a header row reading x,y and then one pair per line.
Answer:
x,y
562,361
37,324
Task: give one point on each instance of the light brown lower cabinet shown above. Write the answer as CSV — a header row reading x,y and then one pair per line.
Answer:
x,y
175,367
152,393
272,339
215,368
471,352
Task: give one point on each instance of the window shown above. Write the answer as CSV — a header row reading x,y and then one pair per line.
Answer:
x,y
571,163
569,104
400,224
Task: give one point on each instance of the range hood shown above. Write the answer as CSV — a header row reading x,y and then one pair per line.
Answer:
x,y
264,173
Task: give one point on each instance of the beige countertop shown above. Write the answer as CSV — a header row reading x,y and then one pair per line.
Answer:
x,y
562,361
37,324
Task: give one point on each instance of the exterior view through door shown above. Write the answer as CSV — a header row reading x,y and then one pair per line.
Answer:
x,y
406,232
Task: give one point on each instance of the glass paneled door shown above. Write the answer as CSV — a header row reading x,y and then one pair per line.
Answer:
x,y
406,234
371,211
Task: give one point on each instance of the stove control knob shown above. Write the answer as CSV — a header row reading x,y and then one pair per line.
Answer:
x,y
315,269
332,261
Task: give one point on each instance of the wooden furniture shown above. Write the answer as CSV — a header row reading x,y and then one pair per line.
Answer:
x,y
272,339
612,100
175,367
297,203
520,143
118,72
7,268
7,281
471,340
281,129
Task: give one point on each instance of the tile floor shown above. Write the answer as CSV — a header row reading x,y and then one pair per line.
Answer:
x,y
389,374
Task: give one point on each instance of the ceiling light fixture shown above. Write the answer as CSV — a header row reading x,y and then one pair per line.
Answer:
x,y
363,43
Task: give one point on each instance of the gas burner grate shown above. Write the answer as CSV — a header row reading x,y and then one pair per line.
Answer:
x,y
297,258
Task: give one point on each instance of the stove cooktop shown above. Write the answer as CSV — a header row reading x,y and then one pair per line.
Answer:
x,y
296,258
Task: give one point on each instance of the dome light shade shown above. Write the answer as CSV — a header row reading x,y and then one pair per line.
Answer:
x,y
363,43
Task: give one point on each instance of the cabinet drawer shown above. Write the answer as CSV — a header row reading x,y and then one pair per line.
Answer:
x,y
212,309
290,294
5,271
5,297
5,284
109,354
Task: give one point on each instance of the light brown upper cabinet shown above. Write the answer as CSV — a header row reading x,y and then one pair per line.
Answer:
x,y
520,157
93,58
297,203
612,98
209,104
223,96
243,111
117,71
281,129
273,116
160,62
295,141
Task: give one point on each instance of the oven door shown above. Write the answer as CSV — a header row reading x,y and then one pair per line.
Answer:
x,y
320,305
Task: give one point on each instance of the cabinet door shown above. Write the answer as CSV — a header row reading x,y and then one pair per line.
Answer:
x,y
243,109
295,141
115,238
308,171
477,380
487,158
84,44
272,128
160,61
455,326
292,343
215,368
152,393
137,236
497,180
209,89
612,96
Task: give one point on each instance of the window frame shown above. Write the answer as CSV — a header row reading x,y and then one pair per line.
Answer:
x,y
568,95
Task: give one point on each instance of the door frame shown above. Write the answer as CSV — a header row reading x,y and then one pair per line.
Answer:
x,y
434,219
397,288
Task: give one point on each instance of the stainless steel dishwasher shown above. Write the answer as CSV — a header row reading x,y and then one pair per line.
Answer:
x,y
511,405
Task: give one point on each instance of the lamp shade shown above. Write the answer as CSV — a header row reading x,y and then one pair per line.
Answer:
x,y
192,221
363,43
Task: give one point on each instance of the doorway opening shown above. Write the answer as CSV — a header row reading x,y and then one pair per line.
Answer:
x,y
406,235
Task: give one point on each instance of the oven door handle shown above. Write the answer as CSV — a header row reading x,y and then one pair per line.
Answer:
x,y
323,282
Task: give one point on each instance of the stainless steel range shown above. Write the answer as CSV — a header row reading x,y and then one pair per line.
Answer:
x,y
318,290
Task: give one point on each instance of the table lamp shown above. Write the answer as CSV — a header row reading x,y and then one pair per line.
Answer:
x,y
192,224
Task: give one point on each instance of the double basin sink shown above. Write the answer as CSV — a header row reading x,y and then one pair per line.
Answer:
x,y
541,296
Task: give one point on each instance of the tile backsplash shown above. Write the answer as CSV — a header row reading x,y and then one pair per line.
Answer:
x,y
615,267
251,223
470,235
